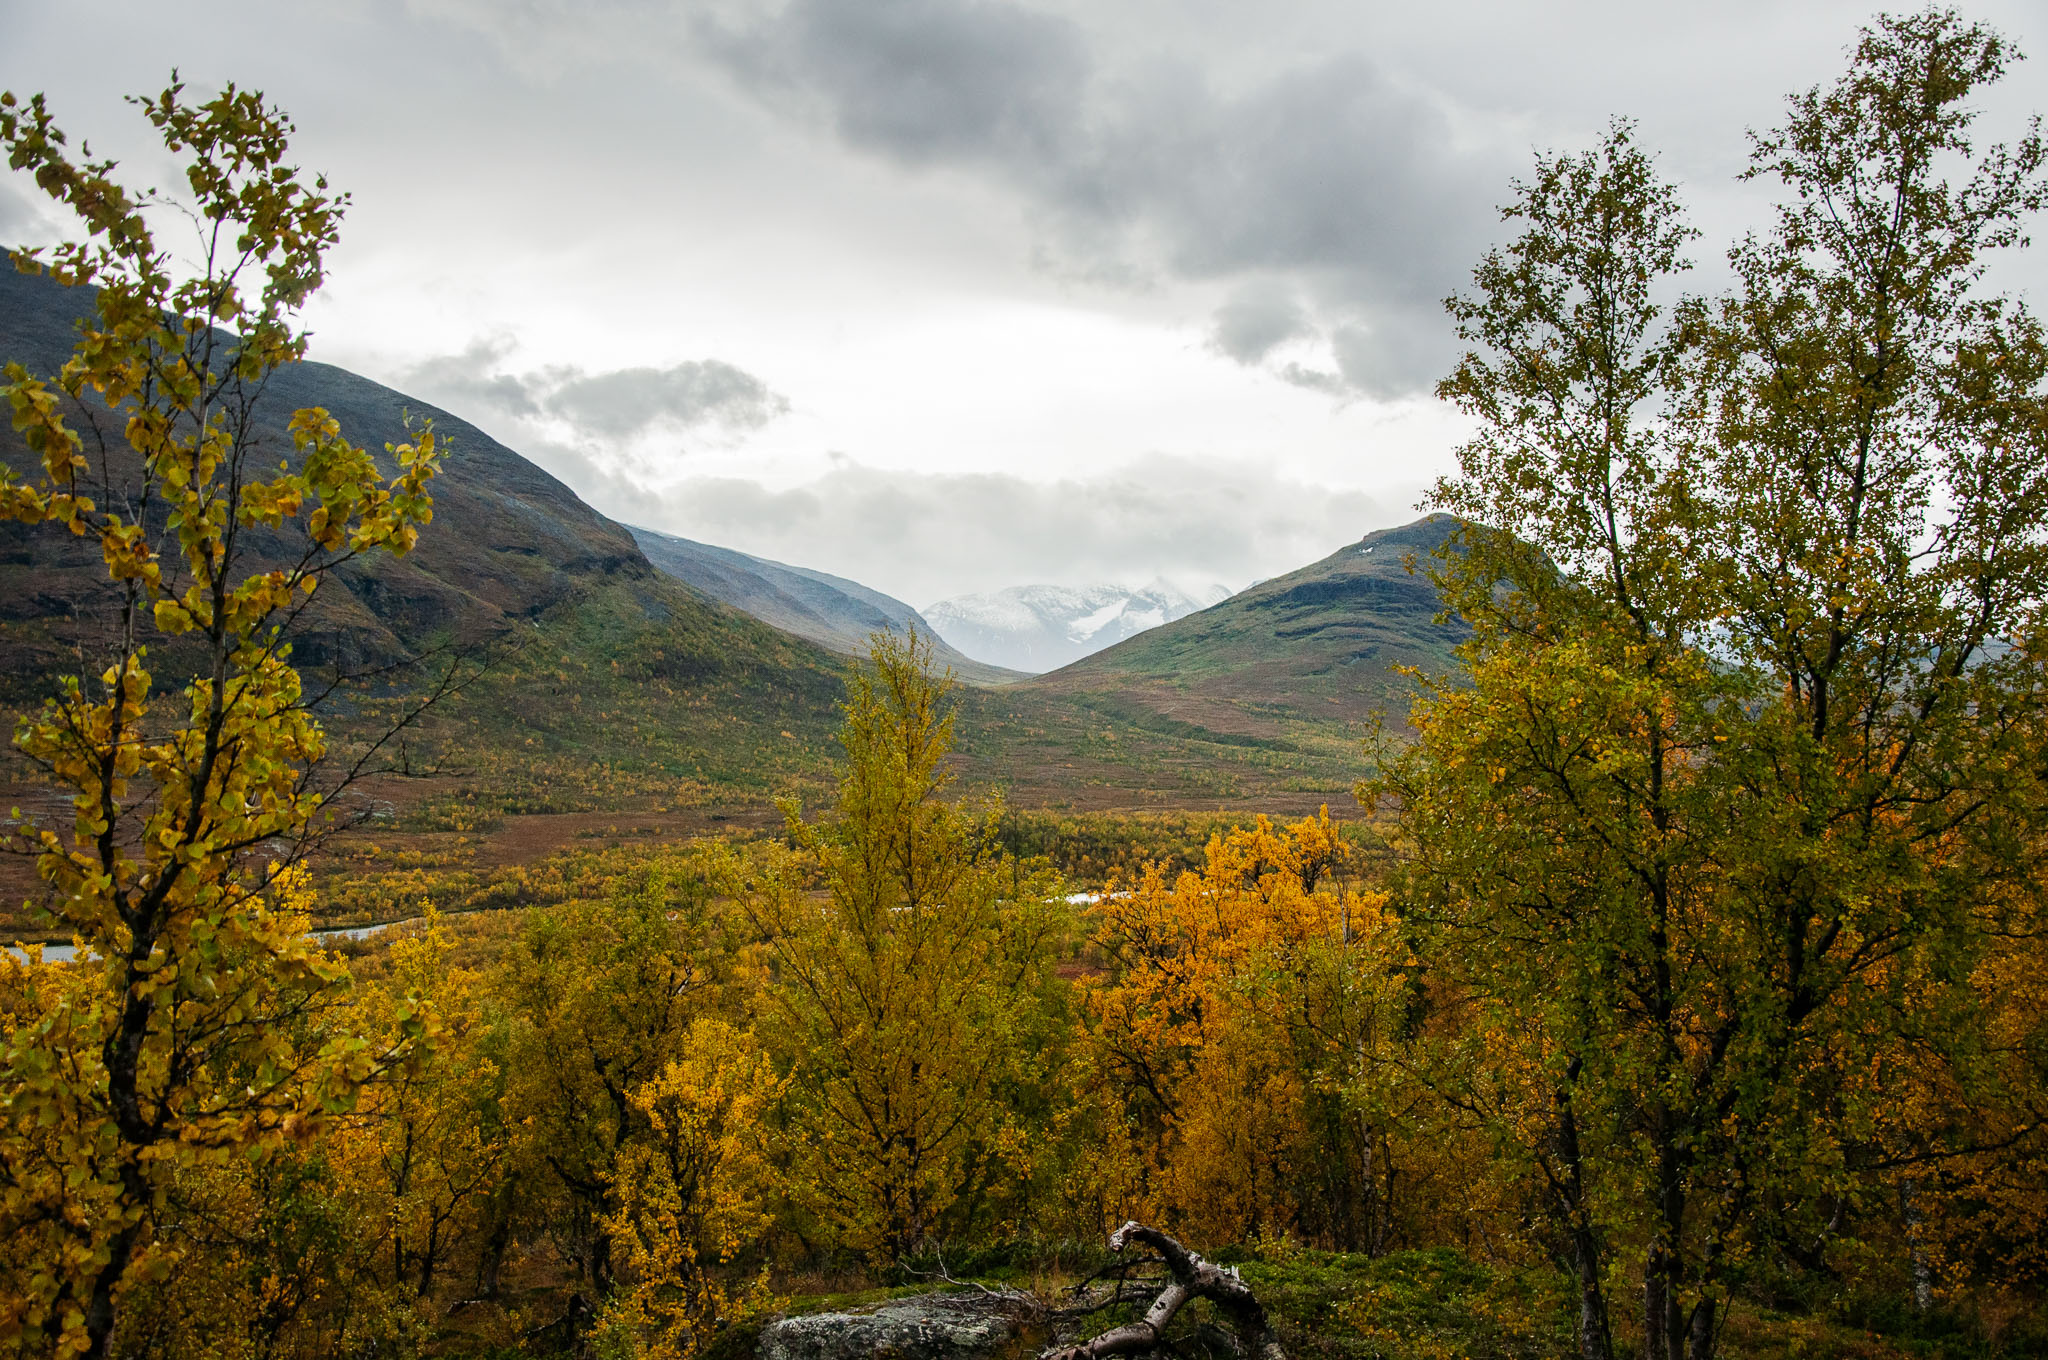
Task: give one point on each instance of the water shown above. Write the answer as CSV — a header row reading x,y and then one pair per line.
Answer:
x,y
65,953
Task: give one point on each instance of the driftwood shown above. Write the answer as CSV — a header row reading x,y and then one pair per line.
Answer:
x,y
1191,1277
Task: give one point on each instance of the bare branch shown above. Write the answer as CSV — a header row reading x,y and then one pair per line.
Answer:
x,y
1193,1277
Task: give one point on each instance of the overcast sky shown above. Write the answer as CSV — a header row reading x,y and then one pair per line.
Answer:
x,y
947,295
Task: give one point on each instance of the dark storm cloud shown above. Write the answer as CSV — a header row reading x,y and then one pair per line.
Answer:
x,y
615,405
923,80
926,536
1332,174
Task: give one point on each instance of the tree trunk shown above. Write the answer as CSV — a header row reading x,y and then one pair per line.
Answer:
x,y
1665,1323
1658,1323
1596,1341
1653,1312
1701,1344
1372,1201
99,1303
1923,1274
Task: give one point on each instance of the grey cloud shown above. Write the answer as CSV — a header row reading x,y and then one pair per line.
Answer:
x,y
467,380
1257,321
1381,358
1314,379
22,220
614,405
698,392
1347,183
1329,168
924,80
927,536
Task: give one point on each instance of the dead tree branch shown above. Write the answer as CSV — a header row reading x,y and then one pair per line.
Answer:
x,y
1192,1278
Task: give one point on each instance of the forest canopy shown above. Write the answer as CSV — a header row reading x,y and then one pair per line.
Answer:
x,y
1678,986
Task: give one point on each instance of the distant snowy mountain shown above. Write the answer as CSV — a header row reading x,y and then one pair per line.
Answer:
x,y
1041,628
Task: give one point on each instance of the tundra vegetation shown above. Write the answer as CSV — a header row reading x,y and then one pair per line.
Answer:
x,y
1682,989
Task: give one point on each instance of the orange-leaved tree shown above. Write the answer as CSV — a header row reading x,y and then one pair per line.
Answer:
x,y
198,1025
1250,1026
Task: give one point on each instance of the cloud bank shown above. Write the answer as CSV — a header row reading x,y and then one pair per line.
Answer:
x,y
924,537
1335,198
1331,180
23,221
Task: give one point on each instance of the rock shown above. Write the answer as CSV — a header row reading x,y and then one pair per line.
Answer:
x,y
928,1327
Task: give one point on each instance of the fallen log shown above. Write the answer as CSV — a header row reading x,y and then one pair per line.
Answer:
x,y
1192,1278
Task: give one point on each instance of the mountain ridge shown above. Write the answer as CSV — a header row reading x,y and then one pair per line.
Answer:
x,y
630,688
527,541
835,613
1325,640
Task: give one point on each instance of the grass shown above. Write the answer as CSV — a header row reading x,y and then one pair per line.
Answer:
x,y
1441,1304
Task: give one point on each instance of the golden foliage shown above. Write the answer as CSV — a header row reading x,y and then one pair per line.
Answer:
x,y
203,1028
1250,1025
694,1193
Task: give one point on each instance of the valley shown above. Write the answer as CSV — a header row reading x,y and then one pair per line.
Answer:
x,y
1042,628
628,686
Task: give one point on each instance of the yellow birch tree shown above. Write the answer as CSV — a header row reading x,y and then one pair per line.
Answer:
x,y
199,1024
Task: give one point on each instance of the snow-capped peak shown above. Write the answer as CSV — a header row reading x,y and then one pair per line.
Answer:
x,y
1043,627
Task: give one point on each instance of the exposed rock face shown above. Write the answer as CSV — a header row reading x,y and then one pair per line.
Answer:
x,y
929,1327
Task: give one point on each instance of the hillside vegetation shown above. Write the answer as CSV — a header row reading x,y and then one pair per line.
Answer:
x,y
597,679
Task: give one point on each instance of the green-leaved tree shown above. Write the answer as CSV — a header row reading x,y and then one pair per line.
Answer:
x,y
909,989
1755,581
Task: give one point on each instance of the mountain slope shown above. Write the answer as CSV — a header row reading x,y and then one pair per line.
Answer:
x,y
1315,645
1040,628
837,614
612,686
509,541
616,687
607,680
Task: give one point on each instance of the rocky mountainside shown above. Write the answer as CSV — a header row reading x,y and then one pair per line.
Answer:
x,y
837,614
1041,628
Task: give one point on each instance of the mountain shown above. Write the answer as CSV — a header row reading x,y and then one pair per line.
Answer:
x,y
611,687
616,690
509,541
1316,645
1041,628
607,678
837,614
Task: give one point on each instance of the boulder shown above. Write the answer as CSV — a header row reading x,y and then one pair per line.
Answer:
x,y
928,1327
